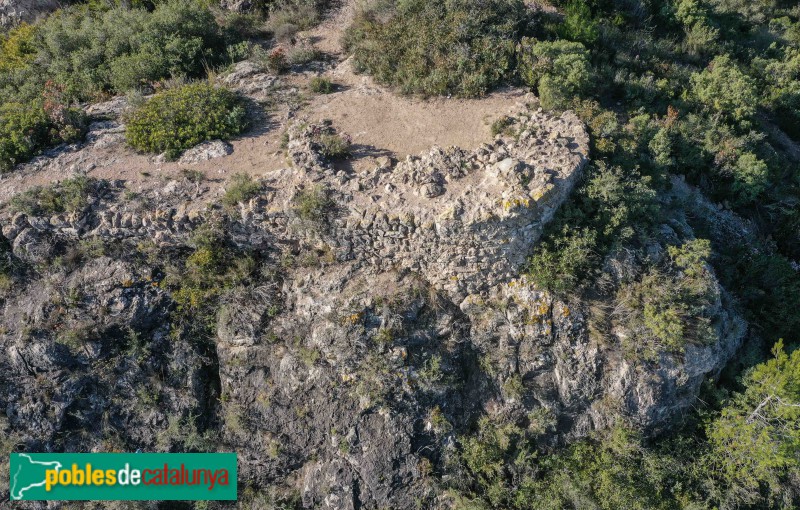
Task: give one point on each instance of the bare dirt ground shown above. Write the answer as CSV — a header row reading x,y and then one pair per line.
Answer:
x,y
379,122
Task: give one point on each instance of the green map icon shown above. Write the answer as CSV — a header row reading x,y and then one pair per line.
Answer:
x,y
107,476
28,474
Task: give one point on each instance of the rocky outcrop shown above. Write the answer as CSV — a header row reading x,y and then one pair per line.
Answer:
x,y
112,366
206,151
249,79
388,323
13,12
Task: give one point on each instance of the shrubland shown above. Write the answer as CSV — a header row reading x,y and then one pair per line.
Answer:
x,y
704,89
87,52
453,47
179,118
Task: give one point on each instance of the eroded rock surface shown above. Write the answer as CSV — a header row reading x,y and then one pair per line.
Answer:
x,y
381,329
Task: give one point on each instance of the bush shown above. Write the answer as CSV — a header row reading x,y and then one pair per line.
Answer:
x,y
277,61
557,70
28,127
17,49
724,88
320,85
329,143
24,129
558,264
303,54
70,195
301,14
458,47
93,52
214,267
334,146
669,307
750,177
66,124
579,24
180,118
782,91
503,126
240,189
313,205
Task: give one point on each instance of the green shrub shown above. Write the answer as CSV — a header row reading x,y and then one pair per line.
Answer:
x,y
458,47
320,85
700,32
724,88
661,148
28,127
503,126
24,129
557,265
313,205
782,88
579,24
70,195
180,118
17,48
92,52
611,208
240,189
669,307
214,267
750,177
557,70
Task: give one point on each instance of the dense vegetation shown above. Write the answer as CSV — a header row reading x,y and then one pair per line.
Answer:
x,y
88,52
708,89
185,116
456,46
749,459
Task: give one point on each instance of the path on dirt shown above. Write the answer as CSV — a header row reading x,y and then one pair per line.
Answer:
x,y
380,123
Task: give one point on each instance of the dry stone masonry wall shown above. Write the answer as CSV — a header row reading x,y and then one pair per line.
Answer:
x,y
464,220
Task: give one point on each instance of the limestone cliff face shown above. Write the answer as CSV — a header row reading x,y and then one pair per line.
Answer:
x,y
349,379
